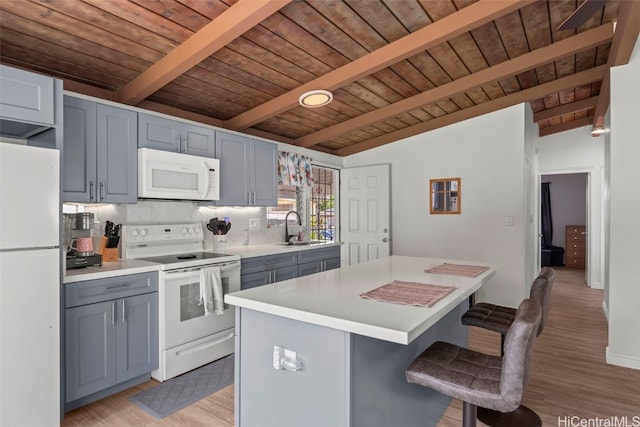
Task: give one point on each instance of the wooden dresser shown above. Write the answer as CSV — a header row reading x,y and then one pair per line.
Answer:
x,y
576,244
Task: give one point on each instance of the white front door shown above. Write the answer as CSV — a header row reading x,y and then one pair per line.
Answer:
x,y
365,213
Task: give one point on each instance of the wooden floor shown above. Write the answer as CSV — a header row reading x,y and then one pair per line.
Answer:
x,y
569,377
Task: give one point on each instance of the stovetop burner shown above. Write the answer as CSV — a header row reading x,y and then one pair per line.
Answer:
x,y
179,258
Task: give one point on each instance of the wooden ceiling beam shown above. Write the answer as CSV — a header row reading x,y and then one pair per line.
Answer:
x,y
582,78
573,107
624,39
438,32
573,124
528,61
231,24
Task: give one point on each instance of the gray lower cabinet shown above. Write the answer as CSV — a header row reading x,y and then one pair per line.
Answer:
x,y
99,163
318,260
171,135
111,335
248,171
264,270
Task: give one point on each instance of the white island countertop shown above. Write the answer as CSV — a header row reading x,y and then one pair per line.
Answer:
x,y
332,298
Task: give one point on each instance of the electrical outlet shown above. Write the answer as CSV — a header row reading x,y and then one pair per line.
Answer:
x,y
254,224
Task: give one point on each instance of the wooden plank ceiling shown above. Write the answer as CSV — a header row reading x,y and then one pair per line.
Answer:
x,y
396,67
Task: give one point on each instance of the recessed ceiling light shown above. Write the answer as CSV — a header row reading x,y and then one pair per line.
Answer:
x,y
598,130
315,98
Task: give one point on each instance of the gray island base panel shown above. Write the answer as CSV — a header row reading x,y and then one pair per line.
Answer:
x,y
352,354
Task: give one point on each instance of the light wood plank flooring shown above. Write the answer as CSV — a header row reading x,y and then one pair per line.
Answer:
x,y
569,375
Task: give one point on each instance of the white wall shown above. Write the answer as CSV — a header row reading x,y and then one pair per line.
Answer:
x,y
624,209
576,151
532,200
487,153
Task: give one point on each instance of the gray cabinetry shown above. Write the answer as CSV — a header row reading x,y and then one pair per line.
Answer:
x,y
264,270
317,260
100,153
248,171
26,102
171,135
111,334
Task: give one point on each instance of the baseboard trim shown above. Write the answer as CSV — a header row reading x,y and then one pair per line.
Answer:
x,y
622,360
605,310
596,285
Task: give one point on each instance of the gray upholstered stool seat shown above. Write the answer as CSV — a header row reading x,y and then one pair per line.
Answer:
x,y
498,319
478,379
489,316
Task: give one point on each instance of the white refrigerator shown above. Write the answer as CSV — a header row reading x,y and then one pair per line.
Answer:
x,y
29,286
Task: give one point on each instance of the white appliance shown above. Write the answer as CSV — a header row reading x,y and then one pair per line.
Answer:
x,y
189,338
169,175
29,286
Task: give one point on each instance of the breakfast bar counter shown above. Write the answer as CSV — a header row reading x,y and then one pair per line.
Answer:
x,y
311,351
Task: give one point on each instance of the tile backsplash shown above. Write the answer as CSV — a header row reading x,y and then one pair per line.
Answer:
x,y
248,224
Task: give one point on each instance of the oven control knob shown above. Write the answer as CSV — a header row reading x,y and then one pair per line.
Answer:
x,y
134,233
190,230
198,230
143,232
184,230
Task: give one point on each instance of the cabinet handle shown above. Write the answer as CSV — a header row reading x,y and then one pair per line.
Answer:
x,y
123,309
269,281
274,277
91,190
101,194
113,313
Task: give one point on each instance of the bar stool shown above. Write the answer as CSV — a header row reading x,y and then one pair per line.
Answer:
x,y
479,379
498,319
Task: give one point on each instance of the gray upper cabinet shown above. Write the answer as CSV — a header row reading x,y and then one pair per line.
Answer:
x,y
264,173
171,135
100,153
26,97
248,171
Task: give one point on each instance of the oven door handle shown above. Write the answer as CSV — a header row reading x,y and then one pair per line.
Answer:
x,y
194,271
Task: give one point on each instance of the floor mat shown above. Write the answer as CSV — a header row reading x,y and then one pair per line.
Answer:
x,y
186,389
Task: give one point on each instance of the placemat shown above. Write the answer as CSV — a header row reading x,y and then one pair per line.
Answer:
x,y
409,293
458,269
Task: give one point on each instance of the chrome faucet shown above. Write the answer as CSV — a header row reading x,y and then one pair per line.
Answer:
x,y
286,225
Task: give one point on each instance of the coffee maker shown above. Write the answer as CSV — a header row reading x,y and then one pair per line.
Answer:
x,y
78,228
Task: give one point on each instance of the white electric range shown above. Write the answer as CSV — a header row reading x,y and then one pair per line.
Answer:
x,y
189,337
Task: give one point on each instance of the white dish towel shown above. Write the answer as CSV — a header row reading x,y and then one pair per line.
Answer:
x,y
211,295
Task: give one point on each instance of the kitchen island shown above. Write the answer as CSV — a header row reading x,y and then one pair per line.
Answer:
x,y
310,351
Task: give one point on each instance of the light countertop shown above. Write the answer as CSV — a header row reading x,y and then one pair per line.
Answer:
x,y
332,298
109,269
133,266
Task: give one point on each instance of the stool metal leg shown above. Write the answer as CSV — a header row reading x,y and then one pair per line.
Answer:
x,y
469,413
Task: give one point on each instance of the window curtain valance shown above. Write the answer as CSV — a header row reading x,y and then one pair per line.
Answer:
x,y
294,169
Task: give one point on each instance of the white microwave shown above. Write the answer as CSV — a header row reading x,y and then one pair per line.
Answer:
x,y
169,175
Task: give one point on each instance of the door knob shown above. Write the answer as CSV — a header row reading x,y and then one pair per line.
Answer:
x,y
385,240
385,230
